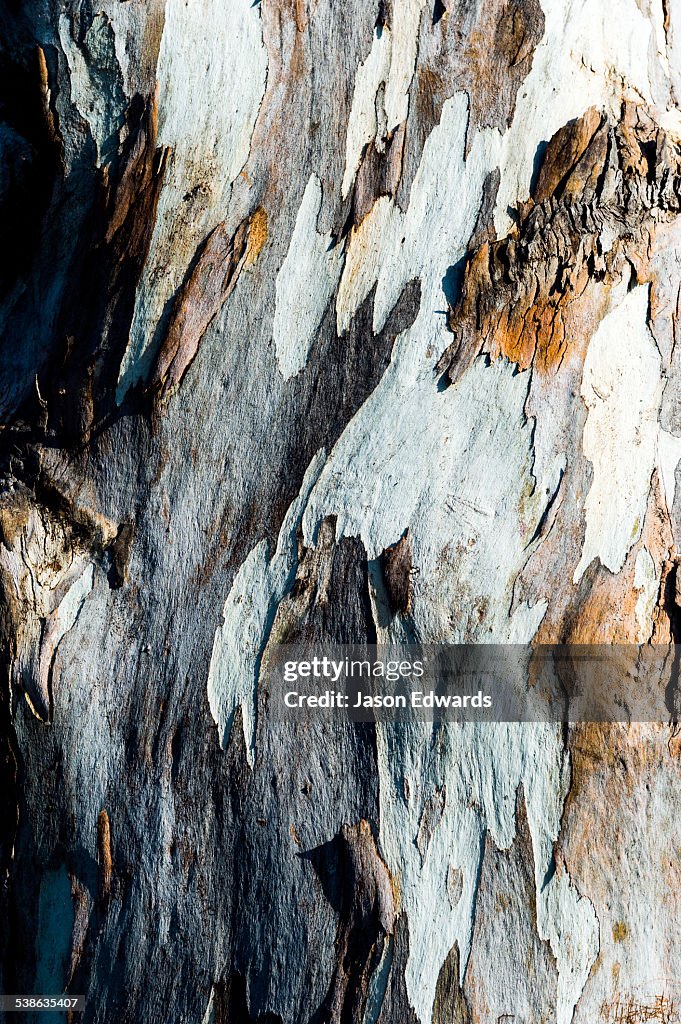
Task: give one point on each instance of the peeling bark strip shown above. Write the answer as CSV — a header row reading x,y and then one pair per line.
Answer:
x,y
602,192
104,855
240,236
215,272
47,552
209,283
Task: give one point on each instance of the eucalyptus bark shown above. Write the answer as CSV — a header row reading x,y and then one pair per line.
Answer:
x,y
353,323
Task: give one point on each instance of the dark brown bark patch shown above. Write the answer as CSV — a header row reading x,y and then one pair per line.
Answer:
x,y
357,881
99,306
329,597
396,564
395,1005
378,175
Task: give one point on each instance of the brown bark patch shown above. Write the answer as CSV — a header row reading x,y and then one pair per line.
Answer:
x,y
104,855
257,235
206,288
367,916
497,58
396,564
564,155
450,1005
209,282
538,294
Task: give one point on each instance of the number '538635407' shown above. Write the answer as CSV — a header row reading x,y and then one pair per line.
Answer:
x,y
34,1002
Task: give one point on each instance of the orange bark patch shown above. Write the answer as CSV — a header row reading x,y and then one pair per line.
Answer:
x,y
602,609
257,236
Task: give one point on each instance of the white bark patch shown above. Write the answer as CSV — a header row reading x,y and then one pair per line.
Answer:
x,y
64,617
96,82
247,617
391,62
306,281
568,920
406,18
480,767
593,52
454,466
622,389
376,234
432,235
648,585
363,123
212,51
668,456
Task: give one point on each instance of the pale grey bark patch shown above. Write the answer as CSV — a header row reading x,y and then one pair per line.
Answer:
x,y
527,990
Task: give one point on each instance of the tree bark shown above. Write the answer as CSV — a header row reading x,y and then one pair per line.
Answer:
x,y
353,323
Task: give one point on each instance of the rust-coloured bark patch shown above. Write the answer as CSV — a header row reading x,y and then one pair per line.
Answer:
x,y
257,235
540,292
627,1009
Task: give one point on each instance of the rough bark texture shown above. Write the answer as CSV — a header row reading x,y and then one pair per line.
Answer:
x,y
351,322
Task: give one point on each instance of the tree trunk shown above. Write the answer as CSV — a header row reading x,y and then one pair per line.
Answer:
x,y
352,322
